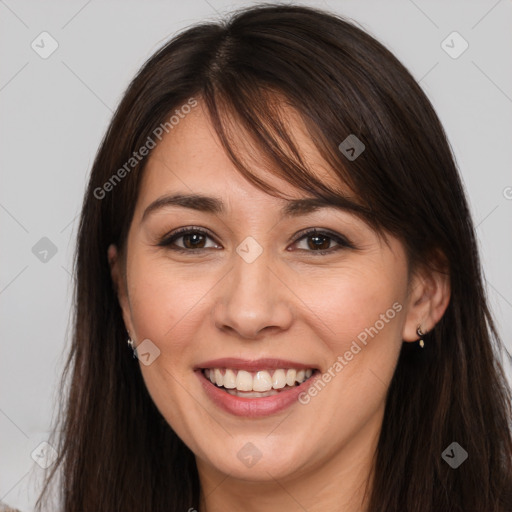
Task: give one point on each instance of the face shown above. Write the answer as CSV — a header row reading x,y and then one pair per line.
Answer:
x,y
245,295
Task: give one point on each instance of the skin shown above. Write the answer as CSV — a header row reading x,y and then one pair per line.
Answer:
x,y
291,304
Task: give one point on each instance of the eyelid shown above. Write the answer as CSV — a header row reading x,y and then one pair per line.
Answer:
x,y
341,240
337,237
180,232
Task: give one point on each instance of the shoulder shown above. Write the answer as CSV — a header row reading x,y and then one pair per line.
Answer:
x,y
5,508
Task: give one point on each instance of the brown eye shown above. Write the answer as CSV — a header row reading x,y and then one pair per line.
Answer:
x,y
192,239
319,242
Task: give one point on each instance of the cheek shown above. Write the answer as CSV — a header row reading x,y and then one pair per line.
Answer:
x,y
359,322
359,303
354,302
164,299
165,306
360,319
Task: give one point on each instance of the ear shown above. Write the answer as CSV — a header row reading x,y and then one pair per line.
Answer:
x,y
429,296
119,283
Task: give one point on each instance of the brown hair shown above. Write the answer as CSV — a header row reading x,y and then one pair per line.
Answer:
x,y
116,451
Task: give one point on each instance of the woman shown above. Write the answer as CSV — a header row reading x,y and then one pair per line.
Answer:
x,y
279,301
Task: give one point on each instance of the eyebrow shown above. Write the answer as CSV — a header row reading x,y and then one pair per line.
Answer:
x,y
215,205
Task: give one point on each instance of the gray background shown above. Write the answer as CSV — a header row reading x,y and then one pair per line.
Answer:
x,y
54,112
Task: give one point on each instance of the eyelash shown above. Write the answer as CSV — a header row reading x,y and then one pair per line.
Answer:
x,y
168,240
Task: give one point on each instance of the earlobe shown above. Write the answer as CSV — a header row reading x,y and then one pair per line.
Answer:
x,y
119,284
112,256
427,303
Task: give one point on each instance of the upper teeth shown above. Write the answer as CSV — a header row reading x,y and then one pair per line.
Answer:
x,y
257,381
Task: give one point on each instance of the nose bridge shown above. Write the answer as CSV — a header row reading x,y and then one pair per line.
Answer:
x,y
252,298
250,279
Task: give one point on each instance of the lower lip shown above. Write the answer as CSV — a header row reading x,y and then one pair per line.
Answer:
x,y
252,407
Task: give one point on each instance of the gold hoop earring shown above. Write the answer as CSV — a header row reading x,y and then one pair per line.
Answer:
x,y
420,333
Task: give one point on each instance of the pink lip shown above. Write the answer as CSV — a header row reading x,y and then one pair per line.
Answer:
x,y
252,365
253,407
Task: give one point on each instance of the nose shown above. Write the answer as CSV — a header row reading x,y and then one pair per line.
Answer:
x,y
253,300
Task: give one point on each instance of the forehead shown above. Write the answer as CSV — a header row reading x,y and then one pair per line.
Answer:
x,y
191,160
191,157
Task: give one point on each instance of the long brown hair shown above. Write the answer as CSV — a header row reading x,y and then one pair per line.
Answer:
x,y
116,451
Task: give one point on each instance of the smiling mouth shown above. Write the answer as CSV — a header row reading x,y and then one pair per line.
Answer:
x,y
257,384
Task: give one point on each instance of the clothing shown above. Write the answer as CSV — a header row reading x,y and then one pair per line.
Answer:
x,y
5,508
